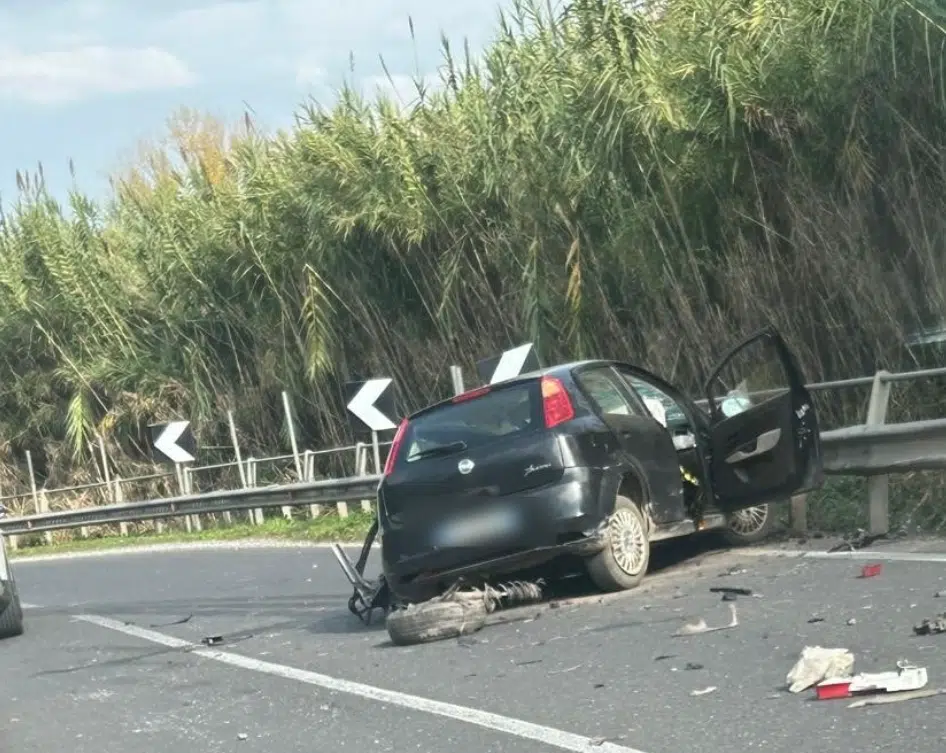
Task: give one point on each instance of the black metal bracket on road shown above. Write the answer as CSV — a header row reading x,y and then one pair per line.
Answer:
x,y
368,596
324,492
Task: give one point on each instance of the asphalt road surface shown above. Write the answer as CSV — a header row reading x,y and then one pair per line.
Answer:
x,y
109,661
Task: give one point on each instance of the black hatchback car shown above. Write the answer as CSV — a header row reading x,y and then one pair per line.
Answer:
x,y
596,459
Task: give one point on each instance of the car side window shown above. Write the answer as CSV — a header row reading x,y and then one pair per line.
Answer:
x,y
604,390
660,405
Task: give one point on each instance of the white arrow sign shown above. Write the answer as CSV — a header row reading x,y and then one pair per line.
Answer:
x,y
363,405
167,444
511,363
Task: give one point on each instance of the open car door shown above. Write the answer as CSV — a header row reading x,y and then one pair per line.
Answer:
x,y
765,444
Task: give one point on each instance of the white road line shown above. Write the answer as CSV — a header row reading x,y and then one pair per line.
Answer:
x,y
514,727
862,554
24,605
195,546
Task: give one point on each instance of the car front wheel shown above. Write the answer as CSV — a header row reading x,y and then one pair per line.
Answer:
x,y
623,562
749,526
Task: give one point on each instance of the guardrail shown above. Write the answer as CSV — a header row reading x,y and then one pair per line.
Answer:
x,y
872,450
855,450
305,493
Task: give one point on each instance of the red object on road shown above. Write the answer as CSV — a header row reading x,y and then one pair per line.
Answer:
x,y
906,677
869,571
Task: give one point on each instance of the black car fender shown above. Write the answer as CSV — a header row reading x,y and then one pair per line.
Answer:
x,y
628,481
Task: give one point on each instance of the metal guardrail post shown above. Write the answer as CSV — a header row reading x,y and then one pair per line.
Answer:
x,y
39,502
798,514
878,487
308,474
256,514
362,470
456,376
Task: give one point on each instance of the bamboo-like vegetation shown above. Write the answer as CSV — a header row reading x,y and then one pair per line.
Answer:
x,y
649,184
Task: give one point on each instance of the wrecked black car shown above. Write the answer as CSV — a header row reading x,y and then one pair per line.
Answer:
x,y
593,460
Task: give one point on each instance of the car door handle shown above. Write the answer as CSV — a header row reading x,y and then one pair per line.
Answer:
x,y
763,443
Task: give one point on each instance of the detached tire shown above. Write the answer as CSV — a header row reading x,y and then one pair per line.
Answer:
x,y
749,526
11,619
623,562
437,620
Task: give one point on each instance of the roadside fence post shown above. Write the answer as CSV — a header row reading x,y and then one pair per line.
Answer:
x,y
40,504
878,487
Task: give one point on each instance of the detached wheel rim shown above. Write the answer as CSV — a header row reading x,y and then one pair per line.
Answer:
x,y
749,521
628,542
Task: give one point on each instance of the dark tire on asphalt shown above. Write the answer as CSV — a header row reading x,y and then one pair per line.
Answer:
x,y
437,620
623,562
11,619
749,526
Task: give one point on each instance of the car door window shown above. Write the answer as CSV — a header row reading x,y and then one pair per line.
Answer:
x,y
661,406
602,387
752,375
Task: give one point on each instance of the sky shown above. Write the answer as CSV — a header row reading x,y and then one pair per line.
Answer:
x,y
90,80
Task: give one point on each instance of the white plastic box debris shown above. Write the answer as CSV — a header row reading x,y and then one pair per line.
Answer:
x,y
906,677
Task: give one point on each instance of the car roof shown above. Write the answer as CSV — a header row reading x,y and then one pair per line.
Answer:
x,y
558,370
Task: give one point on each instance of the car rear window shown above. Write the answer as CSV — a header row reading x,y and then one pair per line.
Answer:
x,y
498,414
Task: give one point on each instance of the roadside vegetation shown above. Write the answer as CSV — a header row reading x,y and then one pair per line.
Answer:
x,y
648,184
324,528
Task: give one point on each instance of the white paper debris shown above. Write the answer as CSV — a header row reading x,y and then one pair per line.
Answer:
x,y
816,664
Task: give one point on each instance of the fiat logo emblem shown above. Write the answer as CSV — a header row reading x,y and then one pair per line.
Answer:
x,y
465,466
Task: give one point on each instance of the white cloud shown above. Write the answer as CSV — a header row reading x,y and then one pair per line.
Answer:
x,y
400,87
59,76
309,72
228,21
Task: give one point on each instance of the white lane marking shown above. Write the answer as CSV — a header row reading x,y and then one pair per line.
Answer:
x,y
861,554
514,727
209,546
24,605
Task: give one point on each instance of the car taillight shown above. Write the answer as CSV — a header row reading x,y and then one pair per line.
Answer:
x,y
395,447
556,404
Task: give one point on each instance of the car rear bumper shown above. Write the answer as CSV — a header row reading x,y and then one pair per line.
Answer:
x,y
504,535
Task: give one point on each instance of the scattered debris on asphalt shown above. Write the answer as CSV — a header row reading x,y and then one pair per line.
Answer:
x,y
940,594
242,736
662,657
734,570
704,691
907,677
906,695
730,592
173,622
871,571
813,620
858,540
212,640
933,626
690,666
852,621
566,670
697,626
816,664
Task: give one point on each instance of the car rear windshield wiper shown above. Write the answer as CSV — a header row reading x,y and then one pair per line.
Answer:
x,y
439,449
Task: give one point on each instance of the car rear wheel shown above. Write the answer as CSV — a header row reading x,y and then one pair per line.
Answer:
x,y
749,526
623,562
11,619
